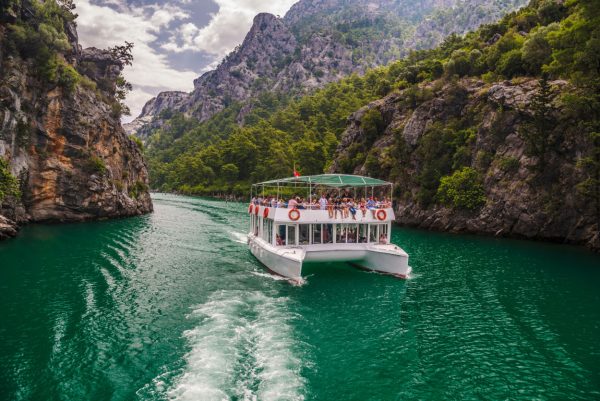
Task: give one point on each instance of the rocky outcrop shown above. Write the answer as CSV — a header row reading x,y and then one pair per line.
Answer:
x,y
66,146
318,42
165,101
522,200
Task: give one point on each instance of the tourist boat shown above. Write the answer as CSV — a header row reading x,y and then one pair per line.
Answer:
x,y
284,237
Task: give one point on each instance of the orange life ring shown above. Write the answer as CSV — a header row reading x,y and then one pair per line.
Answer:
x,y
294,214
266,212
381,214
256,210
250,209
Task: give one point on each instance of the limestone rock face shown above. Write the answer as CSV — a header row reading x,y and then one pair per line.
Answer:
x,y
521,201
314,44
69,151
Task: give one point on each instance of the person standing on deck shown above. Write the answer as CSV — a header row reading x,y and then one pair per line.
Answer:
x,y
323,202
292,203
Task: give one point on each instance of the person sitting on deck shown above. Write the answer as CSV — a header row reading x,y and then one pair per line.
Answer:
x,y
330,207
363,207
371,206
300,203
344,206
351,208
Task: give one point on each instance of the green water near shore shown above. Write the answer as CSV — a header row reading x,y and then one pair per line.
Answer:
x,y
173,306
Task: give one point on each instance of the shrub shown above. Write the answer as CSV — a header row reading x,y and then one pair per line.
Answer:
x,y
96,165
511,64
68,78
140,187
463,189
509,164
138,142
9,185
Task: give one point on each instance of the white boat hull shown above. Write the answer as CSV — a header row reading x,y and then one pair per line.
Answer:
x,y
288,261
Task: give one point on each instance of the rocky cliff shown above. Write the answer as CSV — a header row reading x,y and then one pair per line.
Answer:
x,y
62,137
321,41
482,127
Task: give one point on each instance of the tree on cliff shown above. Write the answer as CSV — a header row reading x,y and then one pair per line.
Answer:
x,y
537,132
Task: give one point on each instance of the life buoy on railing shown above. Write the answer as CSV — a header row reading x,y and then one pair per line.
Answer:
x,y
266,212
256,210
381,214
250,209
294,214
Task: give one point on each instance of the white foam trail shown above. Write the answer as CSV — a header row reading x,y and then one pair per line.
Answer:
x,y
242,348
240,238
295,282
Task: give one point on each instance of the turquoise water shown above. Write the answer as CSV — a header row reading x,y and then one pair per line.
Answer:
x,y
173,306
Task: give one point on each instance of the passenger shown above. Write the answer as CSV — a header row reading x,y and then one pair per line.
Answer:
x,y
280,203
330,208
323,202
383,238
352,209
344,206
253,201
371,206
273,202
300,204
278,240
363,207
337,207
292,203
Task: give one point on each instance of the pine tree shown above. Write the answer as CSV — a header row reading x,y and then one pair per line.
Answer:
x,y
537,130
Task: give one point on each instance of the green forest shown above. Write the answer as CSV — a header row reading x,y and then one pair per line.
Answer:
x,y
546,40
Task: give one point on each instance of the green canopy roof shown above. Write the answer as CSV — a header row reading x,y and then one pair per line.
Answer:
x,y
330,180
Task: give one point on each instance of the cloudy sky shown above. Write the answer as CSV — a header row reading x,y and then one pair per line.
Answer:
x,y
175,40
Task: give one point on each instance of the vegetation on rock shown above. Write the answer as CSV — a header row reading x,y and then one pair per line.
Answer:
x,y
9,185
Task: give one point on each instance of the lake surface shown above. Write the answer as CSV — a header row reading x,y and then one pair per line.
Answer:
x,y
172,306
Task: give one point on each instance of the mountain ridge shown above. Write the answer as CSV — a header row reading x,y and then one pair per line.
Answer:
x,y
315,43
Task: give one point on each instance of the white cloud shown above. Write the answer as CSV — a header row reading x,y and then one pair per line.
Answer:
x,y
227,28
102,27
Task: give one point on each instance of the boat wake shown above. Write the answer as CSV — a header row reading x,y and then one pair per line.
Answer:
x,y
240,237
242,348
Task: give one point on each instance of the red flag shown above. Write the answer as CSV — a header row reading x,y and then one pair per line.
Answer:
x,y
296,174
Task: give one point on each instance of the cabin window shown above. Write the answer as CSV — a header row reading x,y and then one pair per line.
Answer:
x,y
265,230
291,235
303,234
327,233
383,233
362,233
346,233
373,234
352,233
280,235
316,234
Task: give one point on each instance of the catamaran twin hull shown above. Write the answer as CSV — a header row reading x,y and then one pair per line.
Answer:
x,y
288,261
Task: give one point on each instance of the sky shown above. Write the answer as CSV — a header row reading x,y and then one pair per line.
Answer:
x,y
175,41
